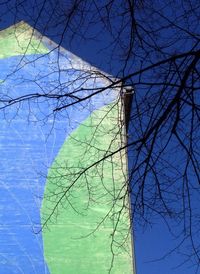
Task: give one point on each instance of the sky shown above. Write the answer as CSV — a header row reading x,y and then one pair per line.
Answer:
x,y
154,242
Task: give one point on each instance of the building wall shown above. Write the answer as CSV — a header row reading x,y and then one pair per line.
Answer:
x,y
65,207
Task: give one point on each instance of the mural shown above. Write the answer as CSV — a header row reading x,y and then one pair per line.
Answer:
x,y
63,210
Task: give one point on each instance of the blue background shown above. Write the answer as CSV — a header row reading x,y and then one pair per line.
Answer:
x,y
155,240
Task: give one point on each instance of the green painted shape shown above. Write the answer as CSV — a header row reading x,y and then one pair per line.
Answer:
x,y
67,249
20,39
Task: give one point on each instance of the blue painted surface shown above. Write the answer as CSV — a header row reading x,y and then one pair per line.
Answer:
x,y
28,144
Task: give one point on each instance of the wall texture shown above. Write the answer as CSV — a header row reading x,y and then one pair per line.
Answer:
x,y
64,206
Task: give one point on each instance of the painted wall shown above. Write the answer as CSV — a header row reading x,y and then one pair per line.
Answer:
x,y
60,213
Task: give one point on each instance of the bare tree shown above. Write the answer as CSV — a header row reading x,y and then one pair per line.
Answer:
x,y
155,48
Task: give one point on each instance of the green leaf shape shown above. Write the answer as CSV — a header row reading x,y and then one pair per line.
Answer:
x,y
85,210
20,39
